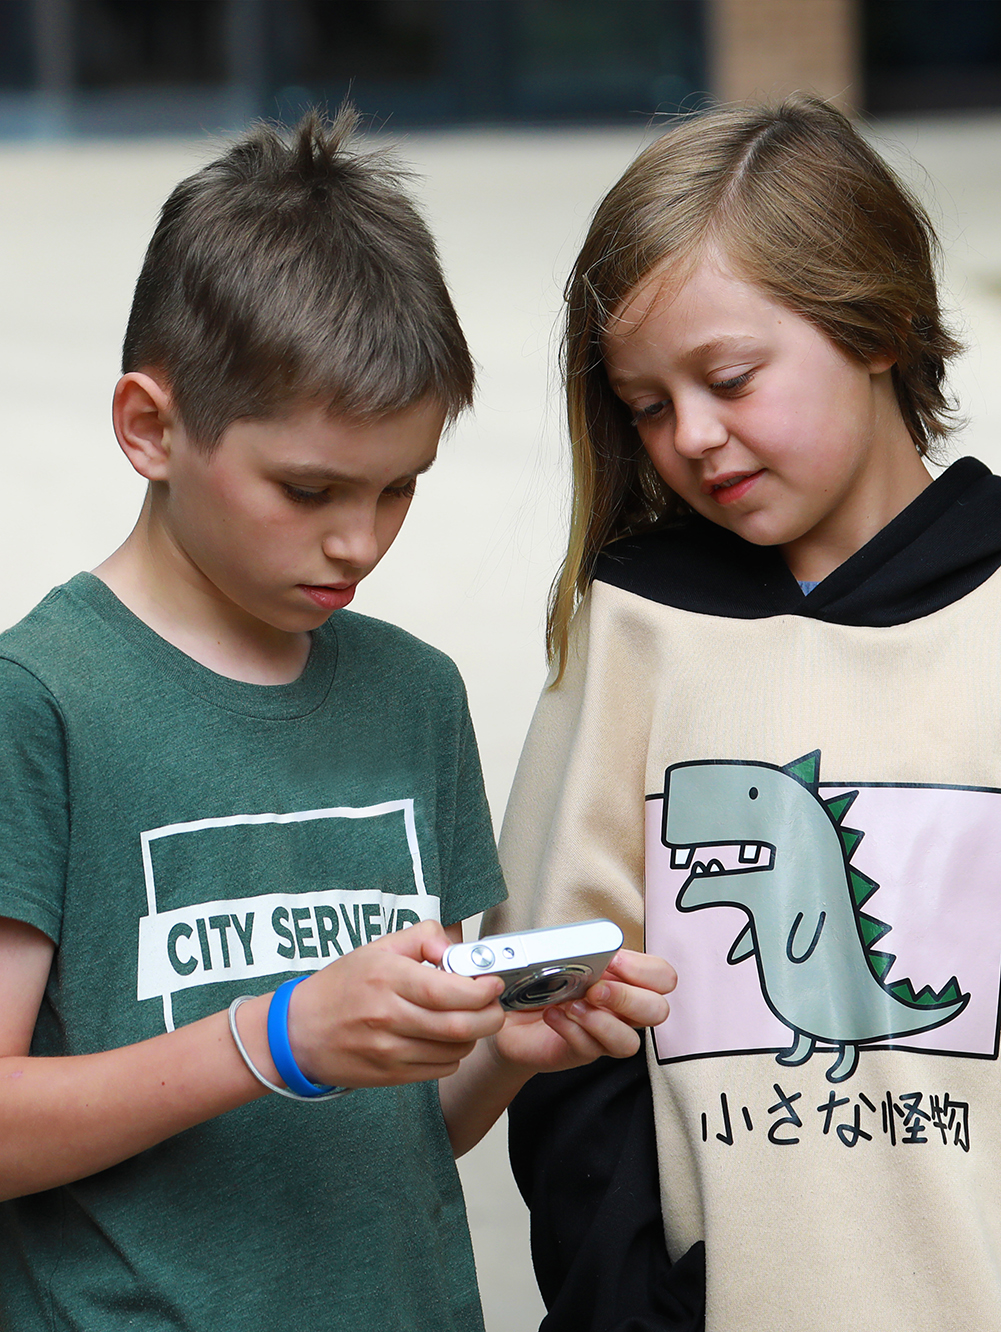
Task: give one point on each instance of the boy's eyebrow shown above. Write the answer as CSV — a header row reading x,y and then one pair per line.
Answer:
x,y
327,475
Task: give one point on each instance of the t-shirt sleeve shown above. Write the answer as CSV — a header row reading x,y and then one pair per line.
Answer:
x,y
34,806
473,878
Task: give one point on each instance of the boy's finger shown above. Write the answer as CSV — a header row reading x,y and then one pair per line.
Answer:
x,y
451,1026
427,987
425,942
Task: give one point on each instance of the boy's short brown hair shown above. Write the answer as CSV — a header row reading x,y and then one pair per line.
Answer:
x,y
294,269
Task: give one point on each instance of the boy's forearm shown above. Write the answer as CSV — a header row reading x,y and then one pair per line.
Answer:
x,y
63,1118
477,1094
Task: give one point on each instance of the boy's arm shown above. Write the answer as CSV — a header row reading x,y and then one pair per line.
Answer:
x,y
372,1018
629,995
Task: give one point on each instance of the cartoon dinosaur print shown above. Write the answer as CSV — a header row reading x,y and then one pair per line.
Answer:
x,y
814,945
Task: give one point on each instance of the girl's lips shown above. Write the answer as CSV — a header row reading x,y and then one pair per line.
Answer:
x,y
330,598
728,489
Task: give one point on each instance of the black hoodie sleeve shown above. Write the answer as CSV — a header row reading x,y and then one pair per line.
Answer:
x,y
585,1159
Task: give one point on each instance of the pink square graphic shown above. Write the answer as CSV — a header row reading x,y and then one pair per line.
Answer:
x,y
936,854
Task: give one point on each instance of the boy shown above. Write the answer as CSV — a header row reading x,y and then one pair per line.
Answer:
x,y
209,785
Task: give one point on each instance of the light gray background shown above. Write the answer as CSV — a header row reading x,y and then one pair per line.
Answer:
x,y
472,565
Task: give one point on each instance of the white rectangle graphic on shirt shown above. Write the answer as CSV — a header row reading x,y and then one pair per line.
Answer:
x,y
266,934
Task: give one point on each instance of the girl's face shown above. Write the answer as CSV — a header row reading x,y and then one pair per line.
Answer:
x,y
757,420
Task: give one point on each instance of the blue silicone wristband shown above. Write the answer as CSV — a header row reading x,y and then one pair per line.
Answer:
x,y
278,1043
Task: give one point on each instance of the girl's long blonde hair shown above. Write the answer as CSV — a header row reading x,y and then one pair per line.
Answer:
x,y
802,207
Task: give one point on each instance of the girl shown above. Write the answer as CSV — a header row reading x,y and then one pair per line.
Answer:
x,y
772,736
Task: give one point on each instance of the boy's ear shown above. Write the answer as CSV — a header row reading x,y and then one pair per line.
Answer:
x,y
143,414
880,362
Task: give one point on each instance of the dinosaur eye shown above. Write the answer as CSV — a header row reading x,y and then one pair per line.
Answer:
x,y
753,793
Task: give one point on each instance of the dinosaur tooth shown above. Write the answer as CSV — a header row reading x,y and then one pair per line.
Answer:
x,y
750,853
715,867
681,856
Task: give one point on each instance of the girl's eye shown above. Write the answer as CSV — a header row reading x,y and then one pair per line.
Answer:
x,y
406,491
649,413
732,385
299,495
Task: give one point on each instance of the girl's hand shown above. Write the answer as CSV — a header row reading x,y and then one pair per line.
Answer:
x,y
630,994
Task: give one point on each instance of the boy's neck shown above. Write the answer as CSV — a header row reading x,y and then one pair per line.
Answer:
x,y
153,577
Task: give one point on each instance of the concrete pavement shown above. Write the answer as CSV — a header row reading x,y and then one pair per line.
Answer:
x,y
470,570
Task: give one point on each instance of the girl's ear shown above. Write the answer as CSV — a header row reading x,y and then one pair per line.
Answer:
x,y
144,417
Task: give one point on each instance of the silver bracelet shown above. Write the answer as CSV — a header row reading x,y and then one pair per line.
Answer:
x,y
271,1086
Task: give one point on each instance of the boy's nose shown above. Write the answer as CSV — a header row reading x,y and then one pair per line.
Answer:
x,y
355,543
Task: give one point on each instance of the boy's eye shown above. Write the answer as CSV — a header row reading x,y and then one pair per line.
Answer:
x,y
301,495
405,491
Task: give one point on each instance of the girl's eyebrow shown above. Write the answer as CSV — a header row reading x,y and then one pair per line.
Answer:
x,y
730,343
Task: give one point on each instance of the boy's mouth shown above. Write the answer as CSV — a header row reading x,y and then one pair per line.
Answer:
x,y
329,596
731,487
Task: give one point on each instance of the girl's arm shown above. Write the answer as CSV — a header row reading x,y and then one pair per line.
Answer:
x,y
373,1018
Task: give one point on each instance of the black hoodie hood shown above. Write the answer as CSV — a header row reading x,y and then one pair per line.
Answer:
x,y
942,546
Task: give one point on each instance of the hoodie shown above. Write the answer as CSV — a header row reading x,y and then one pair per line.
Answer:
x,y
797,800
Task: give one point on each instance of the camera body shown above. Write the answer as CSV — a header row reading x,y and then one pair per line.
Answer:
x,y
539,967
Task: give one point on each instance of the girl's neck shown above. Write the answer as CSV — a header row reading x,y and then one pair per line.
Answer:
x,y
894,475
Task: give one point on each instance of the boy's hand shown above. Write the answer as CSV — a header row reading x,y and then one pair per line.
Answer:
x,y
630,994
377,1016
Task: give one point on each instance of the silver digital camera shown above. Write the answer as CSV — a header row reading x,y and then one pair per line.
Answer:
x,y
539,967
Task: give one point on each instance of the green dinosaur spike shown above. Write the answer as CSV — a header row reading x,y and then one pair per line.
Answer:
x,y
927,997
850,838
838,806
805,770
862,886
872,929
882,962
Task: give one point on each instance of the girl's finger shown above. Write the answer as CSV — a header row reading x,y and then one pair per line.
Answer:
x,y
598,1032
643,969
634,1004
576,1036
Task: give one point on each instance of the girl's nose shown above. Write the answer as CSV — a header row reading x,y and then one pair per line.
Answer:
x,y
697,428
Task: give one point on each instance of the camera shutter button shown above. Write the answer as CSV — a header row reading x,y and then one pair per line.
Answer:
x,y
481,956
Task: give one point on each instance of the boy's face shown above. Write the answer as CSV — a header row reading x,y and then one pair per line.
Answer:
x,y
756,419
285,516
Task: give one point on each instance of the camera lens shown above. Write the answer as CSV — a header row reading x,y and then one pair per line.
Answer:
x,y
548,985
481,956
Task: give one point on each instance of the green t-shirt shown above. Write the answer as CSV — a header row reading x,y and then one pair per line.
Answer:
x,y
185,838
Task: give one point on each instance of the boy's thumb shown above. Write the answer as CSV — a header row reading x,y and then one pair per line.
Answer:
x,y
425,942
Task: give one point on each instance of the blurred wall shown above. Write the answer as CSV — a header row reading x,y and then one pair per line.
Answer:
x,y
764,49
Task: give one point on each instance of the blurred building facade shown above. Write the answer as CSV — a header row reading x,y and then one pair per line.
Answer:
x,y
148,66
